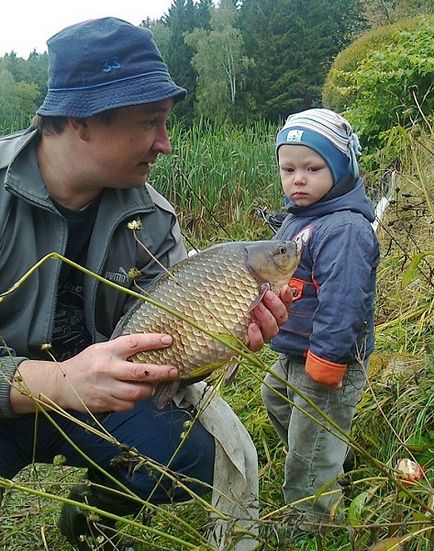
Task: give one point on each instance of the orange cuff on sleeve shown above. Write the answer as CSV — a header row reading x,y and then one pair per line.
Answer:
x,y
323,371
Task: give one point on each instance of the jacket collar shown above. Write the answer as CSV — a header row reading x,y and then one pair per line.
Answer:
x,y
355,200
12,145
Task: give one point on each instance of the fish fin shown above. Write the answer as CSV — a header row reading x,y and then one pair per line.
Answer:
x,y
231,372
263,288
164,393
119,328
204,370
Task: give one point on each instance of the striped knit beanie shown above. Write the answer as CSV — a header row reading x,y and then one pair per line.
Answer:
x,y
329,135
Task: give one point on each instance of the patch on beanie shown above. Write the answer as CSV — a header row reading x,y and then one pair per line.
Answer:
x,y
294,135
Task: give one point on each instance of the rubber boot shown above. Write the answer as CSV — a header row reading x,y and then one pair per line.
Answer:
x,y
83,530
350,461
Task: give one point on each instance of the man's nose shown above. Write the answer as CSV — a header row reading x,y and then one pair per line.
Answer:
x,y
162,142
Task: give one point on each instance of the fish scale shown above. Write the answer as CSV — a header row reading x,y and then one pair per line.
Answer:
x,y
215,288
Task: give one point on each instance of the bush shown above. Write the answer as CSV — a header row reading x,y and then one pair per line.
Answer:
x,y
338,93
389,88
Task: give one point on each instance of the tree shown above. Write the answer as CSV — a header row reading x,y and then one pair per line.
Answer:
x,y
17,103
219,62
292,42
183,16
17,66
380,12
31,71
38,70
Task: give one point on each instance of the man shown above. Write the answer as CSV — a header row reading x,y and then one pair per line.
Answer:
x,y
71,184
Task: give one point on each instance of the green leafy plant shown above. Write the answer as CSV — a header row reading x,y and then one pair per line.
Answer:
x,y
394,86
338,93
394,418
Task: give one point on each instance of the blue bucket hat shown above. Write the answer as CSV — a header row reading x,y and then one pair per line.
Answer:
x,y
102,64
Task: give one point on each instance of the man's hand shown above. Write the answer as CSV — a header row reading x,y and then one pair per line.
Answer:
x,y
99,379
268,316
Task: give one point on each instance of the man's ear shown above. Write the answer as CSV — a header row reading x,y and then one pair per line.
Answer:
x,y
81,127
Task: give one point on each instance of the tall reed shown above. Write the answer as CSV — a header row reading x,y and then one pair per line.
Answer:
x,y
217,176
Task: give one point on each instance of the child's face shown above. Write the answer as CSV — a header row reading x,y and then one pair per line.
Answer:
x,y
305,176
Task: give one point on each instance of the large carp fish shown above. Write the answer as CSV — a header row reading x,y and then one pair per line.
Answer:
x,y
217,289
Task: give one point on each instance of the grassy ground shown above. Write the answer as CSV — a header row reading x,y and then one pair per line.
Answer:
x,y
394,419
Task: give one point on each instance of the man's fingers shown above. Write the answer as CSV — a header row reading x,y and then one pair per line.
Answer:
x,y
286,295
276,307
128,345
150,373
267,320
255,340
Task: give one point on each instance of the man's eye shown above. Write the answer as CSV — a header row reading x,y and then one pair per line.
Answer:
x,y
148,123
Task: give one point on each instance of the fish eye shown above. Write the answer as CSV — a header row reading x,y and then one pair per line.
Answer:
x,y
282,249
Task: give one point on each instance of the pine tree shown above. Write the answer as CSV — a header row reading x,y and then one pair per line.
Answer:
x,y
293,43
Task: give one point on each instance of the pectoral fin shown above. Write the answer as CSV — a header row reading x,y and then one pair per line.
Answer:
x,y
231,372
164,393
264,287
203,371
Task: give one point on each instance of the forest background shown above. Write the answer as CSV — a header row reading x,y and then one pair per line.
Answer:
x,y
239,61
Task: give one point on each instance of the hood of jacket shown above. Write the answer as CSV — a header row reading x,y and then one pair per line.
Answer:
x,y
355,200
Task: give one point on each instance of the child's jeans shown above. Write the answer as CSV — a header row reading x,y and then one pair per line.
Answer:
x,y
315,457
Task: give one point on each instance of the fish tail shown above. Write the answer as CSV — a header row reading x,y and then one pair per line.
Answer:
x,y
164,393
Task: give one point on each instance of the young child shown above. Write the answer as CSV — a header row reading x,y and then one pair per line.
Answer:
x,y
325,344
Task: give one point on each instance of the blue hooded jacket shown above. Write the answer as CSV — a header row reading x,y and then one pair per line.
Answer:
x,y
332,312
